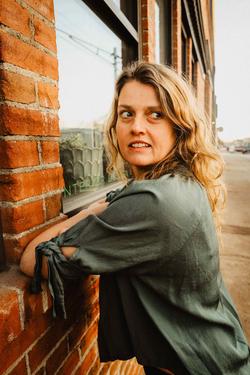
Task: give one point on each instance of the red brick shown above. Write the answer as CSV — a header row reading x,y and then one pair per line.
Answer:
x,y
141,371
27,122
94,369
144,24
114,368
11,157
123,368
44,34
27,337
81,326
144,11
33,306
48,95
50,152
45,345
145,49
53,206
56,358
15,16
41,371
105,369
22,54
16,87
145,36
89,337
18,186
45,7
89,360
21,218
10,325
20,368
70,364
14,246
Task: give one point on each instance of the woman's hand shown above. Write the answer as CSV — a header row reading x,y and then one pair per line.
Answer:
x,y
98,207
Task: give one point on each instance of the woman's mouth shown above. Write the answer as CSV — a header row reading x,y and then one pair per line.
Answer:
x,y
139,145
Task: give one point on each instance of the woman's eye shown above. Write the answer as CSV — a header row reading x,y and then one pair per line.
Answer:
x,y
156,115
125,114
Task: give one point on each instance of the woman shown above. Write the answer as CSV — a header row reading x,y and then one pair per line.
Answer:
x,y
154,243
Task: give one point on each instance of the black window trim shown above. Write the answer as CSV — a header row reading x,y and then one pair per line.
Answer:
x,y
191,18
115,19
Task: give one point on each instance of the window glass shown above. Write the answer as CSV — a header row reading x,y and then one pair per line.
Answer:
x,y
90,58
183,53
163,31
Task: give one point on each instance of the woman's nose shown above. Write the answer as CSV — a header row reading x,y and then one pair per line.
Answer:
x,y
138,125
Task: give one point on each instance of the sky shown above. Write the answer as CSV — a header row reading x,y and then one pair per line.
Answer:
x,y
232,62
86,64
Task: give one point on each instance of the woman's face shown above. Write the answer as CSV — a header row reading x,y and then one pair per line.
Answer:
x,y
144,134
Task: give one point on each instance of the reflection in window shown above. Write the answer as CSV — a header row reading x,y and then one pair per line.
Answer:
x,y
90,58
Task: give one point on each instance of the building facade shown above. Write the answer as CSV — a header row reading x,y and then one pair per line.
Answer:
x,y
59,61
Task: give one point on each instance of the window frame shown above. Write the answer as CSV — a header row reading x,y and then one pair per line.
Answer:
x,y
116,20
165,10
184,38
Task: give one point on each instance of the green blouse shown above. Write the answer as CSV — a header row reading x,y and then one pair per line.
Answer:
x,y
161,290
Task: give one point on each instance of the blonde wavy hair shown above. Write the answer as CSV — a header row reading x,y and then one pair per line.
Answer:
x,y
194,148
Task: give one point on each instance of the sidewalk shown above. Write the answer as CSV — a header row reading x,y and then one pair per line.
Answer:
x,y
235,254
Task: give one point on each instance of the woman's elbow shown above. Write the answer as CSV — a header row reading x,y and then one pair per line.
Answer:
x,y
27,262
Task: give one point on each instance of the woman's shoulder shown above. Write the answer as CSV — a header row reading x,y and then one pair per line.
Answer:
x,y
174,185
174,193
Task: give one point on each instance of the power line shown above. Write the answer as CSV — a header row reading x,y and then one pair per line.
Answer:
x,y
87,46
73,42
77,39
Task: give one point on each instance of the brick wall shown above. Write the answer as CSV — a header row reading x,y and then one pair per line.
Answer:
x,y
31,341
200,85
189,60
31,176
176,35
148,30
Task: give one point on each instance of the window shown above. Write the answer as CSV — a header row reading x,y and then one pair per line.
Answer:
x,y
93,43
183,51
163,31
194,70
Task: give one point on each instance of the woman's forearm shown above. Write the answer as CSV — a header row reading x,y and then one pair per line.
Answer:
x,y
28,258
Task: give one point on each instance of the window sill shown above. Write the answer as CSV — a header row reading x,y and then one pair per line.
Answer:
x,y
74,204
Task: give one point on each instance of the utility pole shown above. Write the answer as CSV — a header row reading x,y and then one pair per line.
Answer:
x,y
115,61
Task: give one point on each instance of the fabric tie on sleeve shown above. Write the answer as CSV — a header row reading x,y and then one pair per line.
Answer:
x,y
53,253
